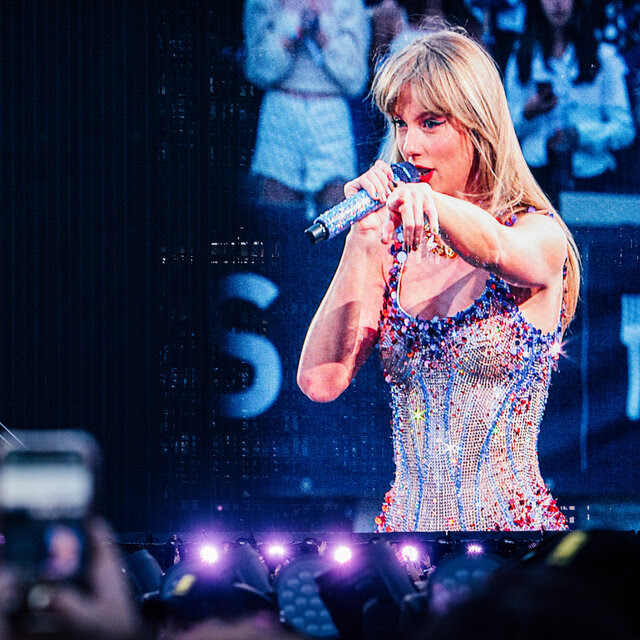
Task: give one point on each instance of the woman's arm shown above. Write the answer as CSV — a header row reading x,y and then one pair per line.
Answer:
x,y
345,53
613,128
345,326
269,33
529,254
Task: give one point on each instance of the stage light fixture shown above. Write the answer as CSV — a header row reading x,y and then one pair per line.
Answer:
x,y
276,551
274,554
309,546
474,548
410,553
442,547
301,607
236,584
209,554
457,575
507,547
342,554
365,596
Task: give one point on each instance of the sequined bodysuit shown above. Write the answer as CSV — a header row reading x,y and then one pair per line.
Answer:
x,y
468,395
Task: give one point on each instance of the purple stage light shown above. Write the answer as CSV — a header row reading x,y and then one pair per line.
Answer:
x,y
342,554
409,553
209,554
276,550
474,548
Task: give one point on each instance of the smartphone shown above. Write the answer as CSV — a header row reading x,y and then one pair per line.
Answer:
x,y
47,492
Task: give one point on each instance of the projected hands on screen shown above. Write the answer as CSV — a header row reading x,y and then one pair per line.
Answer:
x,y
630,337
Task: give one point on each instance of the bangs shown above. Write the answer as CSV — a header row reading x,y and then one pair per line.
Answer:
x,y
427,72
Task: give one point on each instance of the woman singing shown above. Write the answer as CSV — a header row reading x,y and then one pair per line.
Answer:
x,y
466,281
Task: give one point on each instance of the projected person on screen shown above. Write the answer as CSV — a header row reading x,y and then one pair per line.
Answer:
x,y
466,281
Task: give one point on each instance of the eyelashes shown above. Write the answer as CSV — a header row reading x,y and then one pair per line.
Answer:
x,y
427,123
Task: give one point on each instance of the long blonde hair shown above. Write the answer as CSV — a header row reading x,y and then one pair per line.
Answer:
x,y
452,75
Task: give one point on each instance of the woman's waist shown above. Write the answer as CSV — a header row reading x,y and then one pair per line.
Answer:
x,y
465,473
464,440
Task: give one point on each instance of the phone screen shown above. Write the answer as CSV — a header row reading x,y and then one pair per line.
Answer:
x,y
46,484
45,497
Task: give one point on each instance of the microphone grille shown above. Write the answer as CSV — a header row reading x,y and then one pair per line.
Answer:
x,y
406,172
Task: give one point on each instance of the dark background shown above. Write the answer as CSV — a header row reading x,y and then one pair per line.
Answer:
x,y
127,132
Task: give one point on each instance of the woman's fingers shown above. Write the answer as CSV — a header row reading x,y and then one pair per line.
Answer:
x,y
413,219
410,205
376,181
431,212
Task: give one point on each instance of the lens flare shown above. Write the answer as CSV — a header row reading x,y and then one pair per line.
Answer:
x,y
342,554
409,553
276,551
209,554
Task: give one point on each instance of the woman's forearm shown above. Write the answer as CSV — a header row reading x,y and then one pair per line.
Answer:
x,y
344,327
530,254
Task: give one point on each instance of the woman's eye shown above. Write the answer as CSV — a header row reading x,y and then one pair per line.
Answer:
x,y
397,122
429,123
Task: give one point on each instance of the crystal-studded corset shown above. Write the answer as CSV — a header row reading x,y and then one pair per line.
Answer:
x,y
468,395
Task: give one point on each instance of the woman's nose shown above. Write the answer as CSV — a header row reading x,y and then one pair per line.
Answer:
x,y
410,143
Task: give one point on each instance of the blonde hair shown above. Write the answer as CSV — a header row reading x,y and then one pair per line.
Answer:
x,y
451,74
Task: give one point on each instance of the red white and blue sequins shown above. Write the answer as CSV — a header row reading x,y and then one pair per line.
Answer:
x,y
468,395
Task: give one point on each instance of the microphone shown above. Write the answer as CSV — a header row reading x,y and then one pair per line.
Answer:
x,y
335,220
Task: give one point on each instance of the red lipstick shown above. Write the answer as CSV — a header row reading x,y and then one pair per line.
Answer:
x,y
425,174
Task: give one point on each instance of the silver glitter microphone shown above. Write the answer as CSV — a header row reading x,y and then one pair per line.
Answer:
x,y
339,218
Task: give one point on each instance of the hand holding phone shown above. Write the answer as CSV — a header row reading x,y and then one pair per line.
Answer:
x,y
107,610
47,486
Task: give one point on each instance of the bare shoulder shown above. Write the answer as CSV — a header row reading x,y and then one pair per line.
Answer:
x,y
542,227
537,217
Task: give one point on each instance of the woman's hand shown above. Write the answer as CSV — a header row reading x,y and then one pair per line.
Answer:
x,y
411,204
108,612
378,182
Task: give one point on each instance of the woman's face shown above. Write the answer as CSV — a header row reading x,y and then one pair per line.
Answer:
x,y
433,143
558,12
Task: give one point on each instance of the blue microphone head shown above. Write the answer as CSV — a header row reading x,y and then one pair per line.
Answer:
x,y
406,172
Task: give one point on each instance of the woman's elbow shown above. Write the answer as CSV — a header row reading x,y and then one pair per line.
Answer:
x,y
321,384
